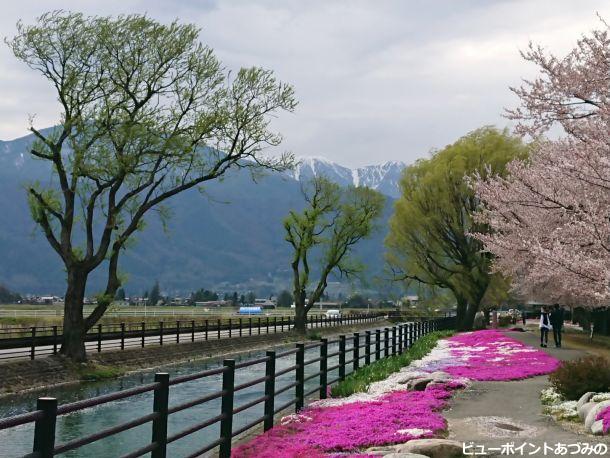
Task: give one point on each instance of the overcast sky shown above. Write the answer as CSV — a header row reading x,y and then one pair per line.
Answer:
x,y
377,80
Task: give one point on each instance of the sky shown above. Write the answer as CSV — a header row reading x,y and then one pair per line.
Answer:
x,y
376,80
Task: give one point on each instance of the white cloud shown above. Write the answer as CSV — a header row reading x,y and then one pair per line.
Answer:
x,y
376,80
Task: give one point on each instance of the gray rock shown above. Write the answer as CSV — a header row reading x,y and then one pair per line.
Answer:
x,y
418,384
584,409
584,399
405,455
440,376
597,428
593,413
433,448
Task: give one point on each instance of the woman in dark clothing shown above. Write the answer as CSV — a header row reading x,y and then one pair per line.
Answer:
x,y
545,326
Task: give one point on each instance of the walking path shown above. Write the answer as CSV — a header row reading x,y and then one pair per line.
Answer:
x,y
492,414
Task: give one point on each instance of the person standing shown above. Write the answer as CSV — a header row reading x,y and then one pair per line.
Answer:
x,y
545,326
557,323
523,317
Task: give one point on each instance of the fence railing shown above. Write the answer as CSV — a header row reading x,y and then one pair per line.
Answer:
x,y
30,342
377,344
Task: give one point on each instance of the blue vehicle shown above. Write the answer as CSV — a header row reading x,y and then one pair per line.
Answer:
x,y
250,310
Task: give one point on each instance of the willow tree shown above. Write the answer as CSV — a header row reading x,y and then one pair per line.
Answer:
x,y
146,112
323,236
429,241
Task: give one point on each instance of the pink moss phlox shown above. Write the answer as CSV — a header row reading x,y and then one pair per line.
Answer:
x,y
604,415
353,426
491,355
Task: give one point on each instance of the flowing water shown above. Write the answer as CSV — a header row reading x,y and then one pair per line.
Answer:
x,y
18,441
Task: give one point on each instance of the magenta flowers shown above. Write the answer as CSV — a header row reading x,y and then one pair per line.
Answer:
x,y
491,355
394,418
388,413
604,415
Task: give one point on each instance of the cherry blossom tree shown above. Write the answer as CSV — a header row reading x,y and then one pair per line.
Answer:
x,y
550,215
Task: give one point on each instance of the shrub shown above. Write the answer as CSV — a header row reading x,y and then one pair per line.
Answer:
x,y
575,378
360,380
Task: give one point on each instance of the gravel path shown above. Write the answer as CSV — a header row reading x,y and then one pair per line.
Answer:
x,y
492,414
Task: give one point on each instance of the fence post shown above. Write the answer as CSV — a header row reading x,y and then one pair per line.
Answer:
x,y
226,423
177,331
341,357
206,329
99,338
377,344
394,340
267,325
161,333
54,340
289,320
122,336
143,333
240,323
44,429
400,339
159,425
259,325
323,368
356,351
386,343
230,327
275,325
192,330
218,329
300,376
269,390
410,335
33,343
367,345
250,326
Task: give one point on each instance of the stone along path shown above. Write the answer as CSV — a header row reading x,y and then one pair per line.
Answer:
x,y
492,414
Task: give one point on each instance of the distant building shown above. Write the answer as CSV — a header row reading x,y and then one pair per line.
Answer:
x,y
265,303
212,303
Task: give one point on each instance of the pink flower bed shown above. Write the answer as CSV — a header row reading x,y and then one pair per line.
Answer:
x,y
352,426
395,415
604,415
491,355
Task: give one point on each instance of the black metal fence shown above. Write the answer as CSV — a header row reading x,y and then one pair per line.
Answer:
x,y
376,344
20,342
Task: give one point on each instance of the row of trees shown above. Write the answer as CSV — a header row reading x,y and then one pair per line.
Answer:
x,y
491,216
7,296
148,112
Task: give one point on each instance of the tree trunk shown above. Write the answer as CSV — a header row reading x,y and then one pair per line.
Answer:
x,y
73,345
468,322
300,319
460,314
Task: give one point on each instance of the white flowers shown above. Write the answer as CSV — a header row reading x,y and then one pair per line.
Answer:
x,y
294,418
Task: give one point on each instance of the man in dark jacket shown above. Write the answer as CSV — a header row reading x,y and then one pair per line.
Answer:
x,y
557,323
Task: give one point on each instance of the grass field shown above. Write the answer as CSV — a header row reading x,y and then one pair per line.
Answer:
x,y
27,315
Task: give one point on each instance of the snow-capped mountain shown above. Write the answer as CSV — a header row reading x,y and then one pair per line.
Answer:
x,y
383,177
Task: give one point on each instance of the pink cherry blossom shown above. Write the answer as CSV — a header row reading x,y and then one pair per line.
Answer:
x,y
549,216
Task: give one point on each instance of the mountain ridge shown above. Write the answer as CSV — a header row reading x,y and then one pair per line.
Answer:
x,y
229,238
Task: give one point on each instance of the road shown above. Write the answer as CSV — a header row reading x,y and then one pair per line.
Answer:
x,y
169,338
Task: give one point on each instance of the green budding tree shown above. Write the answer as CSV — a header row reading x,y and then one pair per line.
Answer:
x,y
323,235
146,112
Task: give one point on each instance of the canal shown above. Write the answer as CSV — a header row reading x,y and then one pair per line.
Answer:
x,y
18,441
